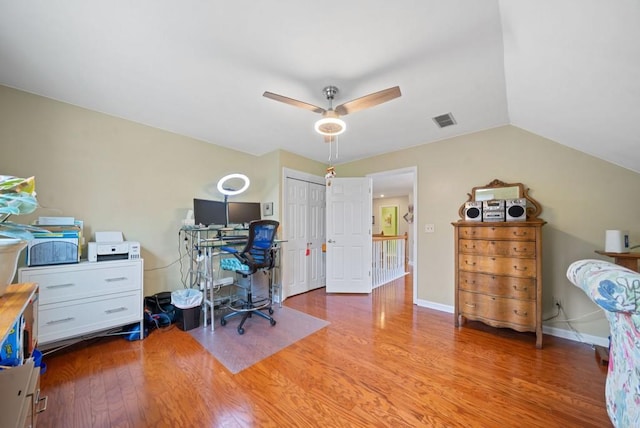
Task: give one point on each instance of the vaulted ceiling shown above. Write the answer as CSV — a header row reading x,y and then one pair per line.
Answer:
x,y
568,70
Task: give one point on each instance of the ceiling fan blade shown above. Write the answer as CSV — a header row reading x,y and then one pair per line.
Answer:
x,y
368,101
293,102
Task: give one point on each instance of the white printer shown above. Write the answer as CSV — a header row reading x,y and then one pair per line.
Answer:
x,y
112,246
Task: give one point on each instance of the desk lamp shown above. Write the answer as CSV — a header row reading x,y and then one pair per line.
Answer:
x,y
231,185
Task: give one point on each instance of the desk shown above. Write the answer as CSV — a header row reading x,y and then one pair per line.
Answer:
x,y
628,260
203,248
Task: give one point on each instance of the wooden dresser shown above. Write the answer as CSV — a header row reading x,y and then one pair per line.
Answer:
x,y
498,278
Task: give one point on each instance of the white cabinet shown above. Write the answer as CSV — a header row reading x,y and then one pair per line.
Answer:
x,y
20,400
87,297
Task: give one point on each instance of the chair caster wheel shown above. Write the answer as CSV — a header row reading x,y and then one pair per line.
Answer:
x,y
240,330
270,311
223,322
273,322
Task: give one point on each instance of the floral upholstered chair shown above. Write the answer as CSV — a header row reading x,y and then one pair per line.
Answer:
x,y
616,290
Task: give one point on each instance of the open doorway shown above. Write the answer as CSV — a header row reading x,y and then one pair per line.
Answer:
x,y
398,188
304,261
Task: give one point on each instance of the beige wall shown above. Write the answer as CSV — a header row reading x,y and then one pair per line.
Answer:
x,y
118,175
581,197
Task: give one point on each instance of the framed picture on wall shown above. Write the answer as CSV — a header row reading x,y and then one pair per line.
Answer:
x,y
389,220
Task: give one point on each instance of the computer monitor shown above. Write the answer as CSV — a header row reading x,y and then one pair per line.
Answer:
x,y
243,212
209,213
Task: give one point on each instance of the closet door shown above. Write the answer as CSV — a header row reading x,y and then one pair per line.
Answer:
x,y
296,265
316,235
305,225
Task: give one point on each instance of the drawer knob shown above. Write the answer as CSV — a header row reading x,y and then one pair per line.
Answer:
x,y
469,263
515,287
120,278
516,233
520,313
471,305
115,310
524,269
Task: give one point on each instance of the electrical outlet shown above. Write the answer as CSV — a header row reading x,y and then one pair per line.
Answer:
x,y
429,228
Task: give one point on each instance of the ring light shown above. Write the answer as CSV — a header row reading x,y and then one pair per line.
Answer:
x,y
231,192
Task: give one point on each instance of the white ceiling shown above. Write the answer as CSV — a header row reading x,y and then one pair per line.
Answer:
x,y
568,70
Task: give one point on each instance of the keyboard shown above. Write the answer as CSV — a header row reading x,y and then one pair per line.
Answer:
x,y
234,238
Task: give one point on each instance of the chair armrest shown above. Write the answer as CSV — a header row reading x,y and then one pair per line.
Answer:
x,y
229,250
612,287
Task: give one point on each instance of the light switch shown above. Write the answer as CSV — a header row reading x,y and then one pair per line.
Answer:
x,y
429,228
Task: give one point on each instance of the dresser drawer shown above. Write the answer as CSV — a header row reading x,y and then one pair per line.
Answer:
x,y
499,309
525,268
74,318
519,233
501,286
498,248
63,283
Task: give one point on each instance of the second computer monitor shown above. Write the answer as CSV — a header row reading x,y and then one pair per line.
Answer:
x,y
243,212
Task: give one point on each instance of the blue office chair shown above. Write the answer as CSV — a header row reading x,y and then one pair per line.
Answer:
x,y
257,256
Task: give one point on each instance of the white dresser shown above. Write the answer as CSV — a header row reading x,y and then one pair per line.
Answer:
x,y
79,299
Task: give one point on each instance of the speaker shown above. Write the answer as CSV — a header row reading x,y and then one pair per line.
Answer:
x,y
516,209
473,211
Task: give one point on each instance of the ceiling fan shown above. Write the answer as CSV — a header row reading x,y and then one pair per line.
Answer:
x,y
331,125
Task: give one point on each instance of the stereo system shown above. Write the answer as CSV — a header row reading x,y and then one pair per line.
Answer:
x,y
496,210
493,210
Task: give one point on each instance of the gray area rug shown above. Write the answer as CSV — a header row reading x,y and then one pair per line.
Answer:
x,y
260,340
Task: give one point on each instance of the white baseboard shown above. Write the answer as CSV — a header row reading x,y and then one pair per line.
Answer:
x,y
571,335
551,331
432,305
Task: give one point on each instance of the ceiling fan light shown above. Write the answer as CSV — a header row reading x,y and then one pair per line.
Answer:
x,y
330,126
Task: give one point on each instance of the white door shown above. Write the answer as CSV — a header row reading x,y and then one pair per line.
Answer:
x,y
304,232
297,207
349,244
316,235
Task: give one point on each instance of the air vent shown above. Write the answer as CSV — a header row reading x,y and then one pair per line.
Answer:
x,y
445,120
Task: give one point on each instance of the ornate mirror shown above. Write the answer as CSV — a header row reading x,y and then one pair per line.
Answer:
x,y
500,190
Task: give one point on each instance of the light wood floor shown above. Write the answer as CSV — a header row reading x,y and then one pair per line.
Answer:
x,y
381,362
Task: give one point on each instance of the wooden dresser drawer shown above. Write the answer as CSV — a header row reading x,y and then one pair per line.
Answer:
x,y
72,282
516,233
503,286
525,268
498,248
499,309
